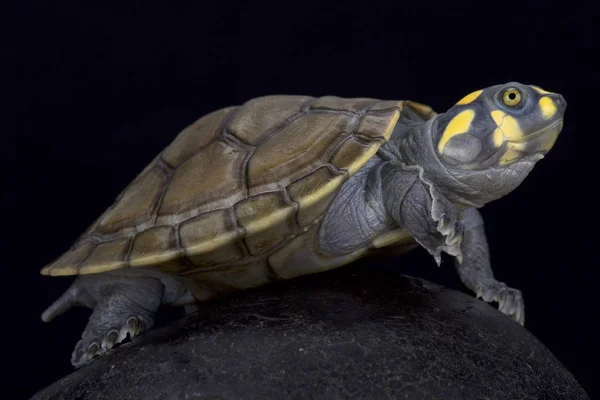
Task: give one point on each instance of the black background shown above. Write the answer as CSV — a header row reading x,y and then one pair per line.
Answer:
x,y
101,90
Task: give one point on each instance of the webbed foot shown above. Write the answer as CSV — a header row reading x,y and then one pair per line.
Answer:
x,y
123,306
99,337
510,300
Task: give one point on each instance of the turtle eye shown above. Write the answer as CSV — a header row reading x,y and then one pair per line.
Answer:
x,y
511,97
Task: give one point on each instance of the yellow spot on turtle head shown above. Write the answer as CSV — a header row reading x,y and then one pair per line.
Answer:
x,y
510,128
540,90
508,125
469,98
498,137
498,115
548,107
459,124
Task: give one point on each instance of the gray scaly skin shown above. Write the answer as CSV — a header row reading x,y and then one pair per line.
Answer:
x,y
430,178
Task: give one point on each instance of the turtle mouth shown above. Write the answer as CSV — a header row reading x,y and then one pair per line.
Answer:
x,y
528,149
539,142
552,130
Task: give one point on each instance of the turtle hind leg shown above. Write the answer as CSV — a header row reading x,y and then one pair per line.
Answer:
x,y
123,306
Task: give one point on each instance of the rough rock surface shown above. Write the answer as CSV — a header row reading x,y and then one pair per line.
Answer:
x,y
348,333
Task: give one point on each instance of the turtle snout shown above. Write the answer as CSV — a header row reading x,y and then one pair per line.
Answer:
x,y
561,103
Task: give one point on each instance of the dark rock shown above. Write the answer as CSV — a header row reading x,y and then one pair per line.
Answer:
x,y
348,333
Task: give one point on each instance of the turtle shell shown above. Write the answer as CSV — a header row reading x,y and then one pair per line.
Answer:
x,y
237,187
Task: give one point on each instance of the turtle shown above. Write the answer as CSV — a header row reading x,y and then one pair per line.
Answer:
x,y
283,186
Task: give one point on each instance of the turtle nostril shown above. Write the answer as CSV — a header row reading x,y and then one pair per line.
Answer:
x,y
561,102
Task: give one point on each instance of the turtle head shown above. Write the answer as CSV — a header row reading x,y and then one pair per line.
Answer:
x,y
499,126
490,140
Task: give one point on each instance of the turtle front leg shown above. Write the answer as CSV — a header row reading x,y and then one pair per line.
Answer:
x,y
435,224
417,206
123,305
476,273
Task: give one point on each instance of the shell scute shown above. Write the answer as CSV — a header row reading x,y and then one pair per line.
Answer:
x,y
67,263
196,136
260,116
378,126
156,246
298,148
106,256
314,192
211,238
353,153
209,180
268,219
137,203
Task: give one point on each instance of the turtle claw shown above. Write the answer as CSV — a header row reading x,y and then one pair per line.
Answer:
x,y
85,351
92,350
510,300
132,327
111,338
